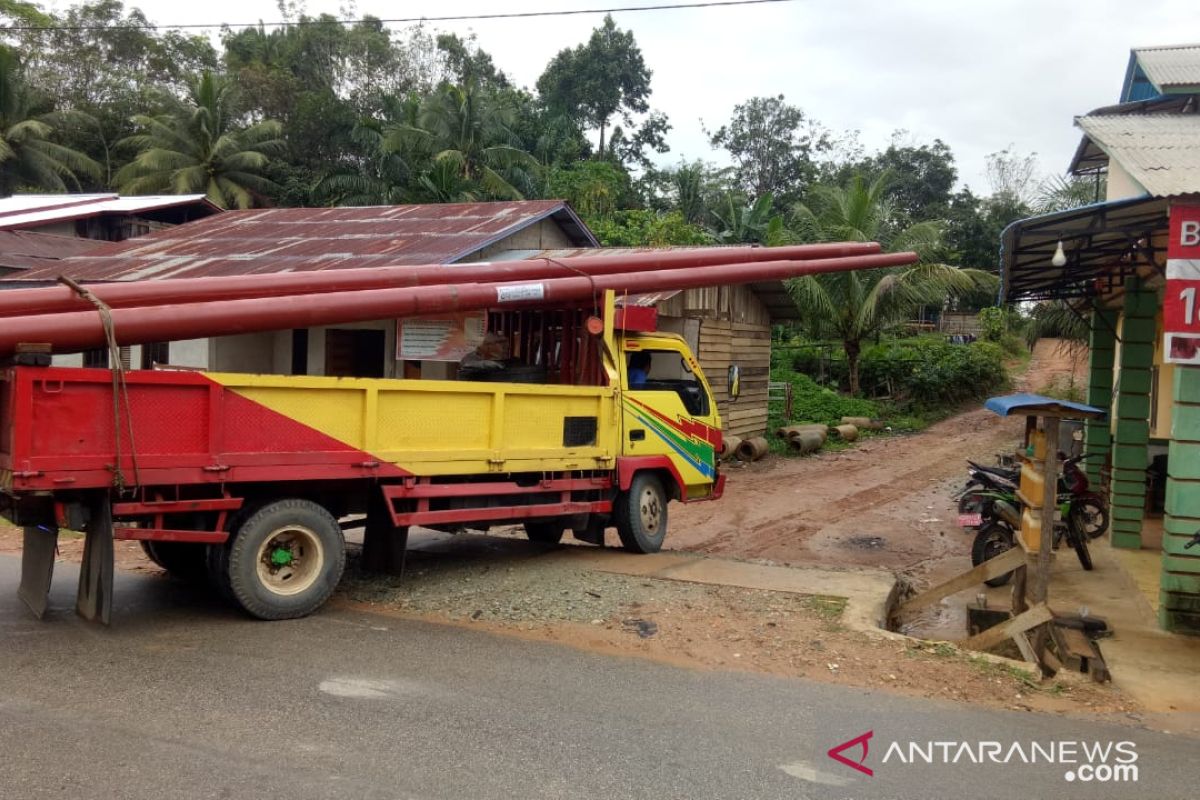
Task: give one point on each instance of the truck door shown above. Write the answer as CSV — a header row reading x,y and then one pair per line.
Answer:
x,y
668,411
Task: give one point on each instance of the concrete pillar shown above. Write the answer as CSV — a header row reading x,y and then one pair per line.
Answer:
x,y
1138,330
1179,595
1098,437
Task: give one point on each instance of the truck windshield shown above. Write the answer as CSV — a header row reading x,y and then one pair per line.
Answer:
x,y
667,371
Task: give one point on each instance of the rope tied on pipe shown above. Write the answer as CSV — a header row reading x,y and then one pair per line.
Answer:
x,y
120,388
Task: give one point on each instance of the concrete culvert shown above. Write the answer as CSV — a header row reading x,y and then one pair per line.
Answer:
x,y
847,433
807,441
753,449
729,446
864,423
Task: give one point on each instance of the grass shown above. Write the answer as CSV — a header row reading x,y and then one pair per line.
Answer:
x,y
829,609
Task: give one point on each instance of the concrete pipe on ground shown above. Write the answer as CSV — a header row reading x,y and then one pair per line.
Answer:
x,y
729,446
753,449
847,433
864,423
807,441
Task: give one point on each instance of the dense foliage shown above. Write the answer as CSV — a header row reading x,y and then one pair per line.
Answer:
x,y
323,112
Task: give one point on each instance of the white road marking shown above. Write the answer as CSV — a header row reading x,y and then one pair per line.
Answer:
x,y
807,772
371,689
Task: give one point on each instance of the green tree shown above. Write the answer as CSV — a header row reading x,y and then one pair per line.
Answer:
x,y
593,188
858,305
201,149
468,64
774,147
102,60
737,222
644,228
29,158
596,81
466,134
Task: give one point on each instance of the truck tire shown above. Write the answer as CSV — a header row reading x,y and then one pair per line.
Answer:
x,y
285,559
640,514
185,561
545,531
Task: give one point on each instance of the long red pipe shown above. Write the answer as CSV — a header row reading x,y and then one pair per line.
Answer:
x,y
83,330
59,299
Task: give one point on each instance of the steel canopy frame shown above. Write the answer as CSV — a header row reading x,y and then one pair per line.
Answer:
x,y
1104,243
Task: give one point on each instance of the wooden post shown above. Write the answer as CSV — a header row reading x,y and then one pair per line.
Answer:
x,y
1049,509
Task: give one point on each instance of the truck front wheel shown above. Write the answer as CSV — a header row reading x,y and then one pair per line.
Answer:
x,y
285,560
640,514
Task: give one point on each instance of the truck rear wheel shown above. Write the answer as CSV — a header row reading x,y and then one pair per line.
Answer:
x,y
285,560
185,561
640,514
545,531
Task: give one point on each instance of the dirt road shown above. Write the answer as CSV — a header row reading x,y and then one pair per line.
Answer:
x,y
884,504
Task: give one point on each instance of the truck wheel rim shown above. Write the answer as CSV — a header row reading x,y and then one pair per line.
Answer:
x,y
651,510
289,560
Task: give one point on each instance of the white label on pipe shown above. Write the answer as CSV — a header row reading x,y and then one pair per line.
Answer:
x,y
524,291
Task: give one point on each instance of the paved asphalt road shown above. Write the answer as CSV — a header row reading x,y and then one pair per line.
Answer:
x,y
182,699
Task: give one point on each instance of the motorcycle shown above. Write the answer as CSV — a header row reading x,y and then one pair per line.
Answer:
x,y
995,514
1073,484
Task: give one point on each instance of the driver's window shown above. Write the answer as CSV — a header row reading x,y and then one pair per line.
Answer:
x,y
667,371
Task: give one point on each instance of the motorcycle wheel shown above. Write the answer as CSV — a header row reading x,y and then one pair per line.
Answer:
x,y
1093,516
1078,538
992,540
971,501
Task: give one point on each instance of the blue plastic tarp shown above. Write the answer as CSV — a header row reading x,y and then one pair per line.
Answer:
x,y
1037,404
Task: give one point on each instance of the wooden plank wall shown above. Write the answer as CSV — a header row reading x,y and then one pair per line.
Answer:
x,y
735,328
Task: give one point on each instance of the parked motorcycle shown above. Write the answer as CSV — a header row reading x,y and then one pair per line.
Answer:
x,y
991,506
1073,485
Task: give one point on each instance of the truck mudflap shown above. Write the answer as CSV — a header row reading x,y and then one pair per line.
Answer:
x,y
37,567
94,599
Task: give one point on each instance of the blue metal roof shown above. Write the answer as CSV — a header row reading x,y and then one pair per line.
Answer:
x,y
1036,404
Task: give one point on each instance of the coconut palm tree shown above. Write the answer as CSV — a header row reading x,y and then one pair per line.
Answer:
x,y
200,149
28,157
856,306
466,134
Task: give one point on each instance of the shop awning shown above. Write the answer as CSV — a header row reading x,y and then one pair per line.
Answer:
x,y
1104,243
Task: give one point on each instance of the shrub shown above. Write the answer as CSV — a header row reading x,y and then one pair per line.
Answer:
x,y
929,373
814,403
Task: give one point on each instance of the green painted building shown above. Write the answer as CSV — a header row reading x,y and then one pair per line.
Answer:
x,y
1124,263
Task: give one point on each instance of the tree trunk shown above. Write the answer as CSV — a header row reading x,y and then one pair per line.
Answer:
x,y
600,154
853,349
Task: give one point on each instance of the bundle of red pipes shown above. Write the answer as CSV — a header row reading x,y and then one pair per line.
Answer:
x,y
192,308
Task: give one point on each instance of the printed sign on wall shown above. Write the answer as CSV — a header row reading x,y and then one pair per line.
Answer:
x,y
1181,304
442,338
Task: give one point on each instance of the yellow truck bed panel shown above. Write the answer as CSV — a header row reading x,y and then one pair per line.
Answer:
x,y
448,427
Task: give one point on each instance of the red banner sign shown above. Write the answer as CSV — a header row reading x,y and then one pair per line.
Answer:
x,y
1181,302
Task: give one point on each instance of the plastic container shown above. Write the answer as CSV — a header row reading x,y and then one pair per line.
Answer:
x,y
1031,528
1033,483
1038,442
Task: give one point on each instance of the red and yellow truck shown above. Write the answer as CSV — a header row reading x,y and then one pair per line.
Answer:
x,y
248,480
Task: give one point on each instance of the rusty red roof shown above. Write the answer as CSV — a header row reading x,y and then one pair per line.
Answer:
x,y
302,239
22,250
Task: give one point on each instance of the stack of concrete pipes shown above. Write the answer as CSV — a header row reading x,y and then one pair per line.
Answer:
x,y
805,437
61,320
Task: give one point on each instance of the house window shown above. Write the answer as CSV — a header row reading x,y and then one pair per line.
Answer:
x,y
96,358
155,353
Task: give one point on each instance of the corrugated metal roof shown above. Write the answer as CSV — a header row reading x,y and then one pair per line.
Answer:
x,y
772,294
1159,151
305,239
1170,66
26,249
33,210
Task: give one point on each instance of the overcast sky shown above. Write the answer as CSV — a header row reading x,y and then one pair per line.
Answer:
x,y
979,74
